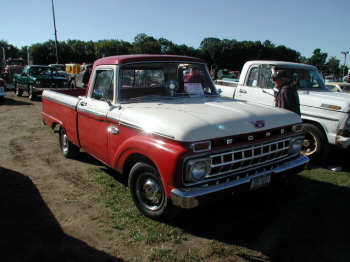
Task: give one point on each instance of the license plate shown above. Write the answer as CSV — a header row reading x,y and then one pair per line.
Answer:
x,y
260,181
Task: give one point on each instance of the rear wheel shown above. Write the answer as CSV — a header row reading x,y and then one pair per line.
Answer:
x,y
148,193
18,91
315,144
69,150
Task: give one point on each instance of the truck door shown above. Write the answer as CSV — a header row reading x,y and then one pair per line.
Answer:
x,y
92,115
257,86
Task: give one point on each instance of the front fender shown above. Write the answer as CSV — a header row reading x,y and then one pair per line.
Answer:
x,y
164,153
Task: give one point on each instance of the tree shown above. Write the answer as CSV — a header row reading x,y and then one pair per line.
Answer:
x,y
211,51
318,59
166,46
144,44
40,53
333,65
106,48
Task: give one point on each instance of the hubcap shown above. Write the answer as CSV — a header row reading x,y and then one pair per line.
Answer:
x,y
64,142
152,191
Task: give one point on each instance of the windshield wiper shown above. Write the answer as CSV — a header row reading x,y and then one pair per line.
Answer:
x,y
147,97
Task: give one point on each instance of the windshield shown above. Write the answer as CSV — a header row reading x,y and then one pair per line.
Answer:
x,y
159,79
304,79
48,71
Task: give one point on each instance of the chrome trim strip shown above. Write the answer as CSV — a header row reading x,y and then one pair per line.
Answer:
x,y
70,101
319,116
91,112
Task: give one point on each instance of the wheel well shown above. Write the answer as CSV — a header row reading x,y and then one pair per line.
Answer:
x,y
320,127
133,159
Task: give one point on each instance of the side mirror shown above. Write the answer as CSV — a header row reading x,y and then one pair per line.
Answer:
x,y
24,74
98,94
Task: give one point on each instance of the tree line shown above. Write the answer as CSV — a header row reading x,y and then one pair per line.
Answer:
x,y
219,53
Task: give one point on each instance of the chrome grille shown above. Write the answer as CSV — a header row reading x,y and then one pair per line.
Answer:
x,y
248,157
14,70
246,161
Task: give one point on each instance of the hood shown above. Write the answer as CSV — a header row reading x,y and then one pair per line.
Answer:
x,y
325,97
196,119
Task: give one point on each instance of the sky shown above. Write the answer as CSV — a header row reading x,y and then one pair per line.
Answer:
x,y
302,25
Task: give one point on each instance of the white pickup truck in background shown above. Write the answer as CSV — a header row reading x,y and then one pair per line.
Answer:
x,y
325,114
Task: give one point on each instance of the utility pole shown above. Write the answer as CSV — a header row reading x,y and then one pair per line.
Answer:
x,y
344,53
54,24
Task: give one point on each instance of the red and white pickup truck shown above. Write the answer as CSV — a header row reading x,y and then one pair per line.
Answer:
x,y
159,120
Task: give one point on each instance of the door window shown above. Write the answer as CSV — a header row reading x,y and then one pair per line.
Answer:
x,y
104,82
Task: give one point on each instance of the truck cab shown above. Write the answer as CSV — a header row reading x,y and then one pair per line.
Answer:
x,y
325,114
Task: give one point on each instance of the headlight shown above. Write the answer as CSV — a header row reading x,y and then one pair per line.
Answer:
x,y
296,145
197,169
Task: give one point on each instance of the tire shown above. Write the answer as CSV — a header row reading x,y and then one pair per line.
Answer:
x,y
32,94
69,150
315,144
2,99
18,91
148,194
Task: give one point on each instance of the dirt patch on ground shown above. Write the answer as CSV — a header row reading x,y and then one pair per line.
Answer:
x,y
46,215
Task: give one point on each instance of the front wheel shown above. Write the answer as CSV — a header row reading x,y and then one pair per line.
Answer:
x,y
72,84
69,150
18,91
32,94
148,193
315,145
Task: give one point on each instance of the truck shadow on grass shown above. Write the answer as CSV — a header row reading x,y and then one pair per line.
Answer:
x,y
13,102
305,221
28,229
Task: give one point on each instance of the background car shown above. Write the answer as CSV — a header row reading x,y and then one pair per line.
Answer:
x,y
338,86
332,78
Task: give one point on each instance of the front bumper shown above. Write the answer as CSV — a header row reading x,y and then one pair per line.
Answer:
x,y
42,89
343,142
192,197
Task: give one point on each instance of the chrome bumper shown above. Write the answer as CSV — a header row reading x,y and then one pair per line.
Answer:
x,y
343,142
190,197
41,89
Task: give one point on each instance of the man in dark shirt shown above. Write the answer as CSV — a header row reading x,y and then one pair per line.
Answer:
x,y
287,96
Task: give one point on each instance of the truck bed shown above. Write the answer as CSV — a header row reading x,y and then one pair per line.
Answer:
x,y
59,107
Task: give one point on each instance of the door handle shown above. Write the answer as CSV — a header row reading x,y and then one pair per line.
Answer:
x,y
83,103
242,91
113,130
